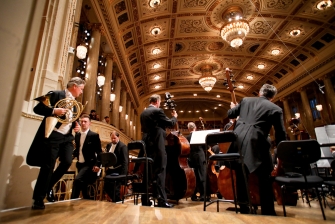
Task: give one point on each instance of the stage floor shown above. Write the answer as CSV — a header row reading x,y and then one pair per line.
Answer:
x,y
186,211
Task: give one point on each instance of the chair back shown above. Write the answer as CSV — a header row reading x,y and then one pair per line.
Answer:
x,y
220,137
137,145
108,159
299,153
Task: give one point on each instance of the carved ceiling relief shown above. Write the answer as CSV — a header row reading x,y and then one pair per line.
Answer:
x,y
119,7
192,26
262,27
215,46
279,4
194,3
197,46
180,74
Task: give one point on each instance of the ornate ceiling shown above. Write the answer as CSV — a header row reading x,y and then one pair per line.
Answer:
x,y
161,47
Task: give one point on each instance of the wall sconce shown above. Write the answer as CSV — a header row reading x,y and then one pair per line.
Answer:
x,y
112,97
319,107
126,117
297,115
101,80
81,51
120,109
131,122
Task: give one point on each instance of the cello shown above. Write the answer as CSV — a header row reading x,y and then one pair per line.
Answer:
x,y
180,179
224,179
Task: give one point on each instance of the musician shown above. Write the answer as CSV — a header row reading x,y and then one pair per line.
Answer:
x,y
121,166
43,151
88,149
228,125
154,122
256,117
197,162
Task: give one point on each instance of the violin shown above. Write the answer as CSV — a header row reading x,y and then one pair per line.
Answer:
x,y
180,179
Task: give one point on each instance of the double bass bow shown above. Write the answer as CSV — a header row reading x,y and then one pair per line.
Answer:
x,y
180,179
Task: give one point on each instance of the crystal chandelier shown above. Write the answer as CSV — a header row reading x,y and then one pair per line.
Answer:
x,y
207,80
235,28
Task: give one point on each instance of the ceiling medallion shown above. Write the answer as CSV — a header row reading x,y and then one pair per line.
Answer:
x,y
295,33
240,86
156,65
322,5
235,28
275,52
155,31
207,80
154,3
157,77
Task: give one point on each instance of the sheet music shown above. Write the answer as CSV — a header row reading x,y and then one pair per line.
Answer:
x,y
199,137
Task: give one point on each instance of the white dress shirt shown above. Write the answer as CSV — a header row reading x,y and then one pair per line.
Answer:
x,y
82,140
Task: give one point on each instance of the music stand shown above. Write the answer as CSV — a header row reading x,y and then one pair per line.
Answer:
x,y
108,159
199,138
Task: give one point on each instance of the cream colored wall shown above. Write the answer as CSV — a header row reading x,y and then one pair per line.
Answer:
x,y
19,27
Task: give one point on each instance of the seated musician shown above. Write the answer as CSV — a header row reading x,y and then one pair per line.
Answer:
x,y
197,162
88,145
121,166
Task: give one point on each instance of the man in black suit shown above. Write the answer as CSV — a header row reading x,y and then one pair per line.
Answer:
x,y
153,123
88,149
257,115
44,151
120,168
197,162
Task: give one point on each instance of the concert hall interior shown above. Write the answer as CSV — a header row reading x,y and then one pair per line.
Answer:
x,y
201,53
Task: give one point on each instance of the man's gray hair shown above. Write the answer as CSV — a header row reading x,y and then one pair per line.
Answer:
x,y
268,91
154,98
191,125
75,81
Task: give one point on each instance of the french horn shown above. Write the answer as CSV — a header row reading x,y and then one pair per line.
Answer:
x,y
74,109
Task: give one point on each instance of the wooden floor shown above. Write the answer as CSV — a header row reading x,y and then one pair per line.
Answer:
x,y
88,211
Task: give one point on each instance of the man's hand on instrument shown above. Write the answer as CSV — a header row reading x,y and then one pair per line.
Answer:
x,y
60,111
95,169
174,113
77,127
232,105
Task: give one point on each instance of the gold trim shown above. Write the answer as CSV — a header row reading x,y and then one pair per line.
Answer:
x,y
32,116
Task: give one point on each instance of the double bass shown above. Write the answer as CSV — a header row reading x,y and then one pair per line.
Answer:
x,y
180,179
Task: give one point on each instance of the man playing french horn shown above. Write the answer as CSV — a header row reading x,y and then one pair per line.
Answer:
x,y
54,138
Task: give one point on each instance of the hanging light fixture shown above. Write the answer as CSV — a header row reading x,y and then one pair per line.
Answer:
x,y
207,80
120,109
81,51
112,97
101,80
235,28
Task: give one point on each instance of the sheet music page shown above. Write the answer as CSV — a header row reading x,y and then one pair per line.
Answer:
x,y
199,137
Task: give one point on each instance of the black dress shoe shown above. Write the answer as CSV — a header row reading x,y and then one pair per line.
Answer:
x,y
165,205
38,204
50,196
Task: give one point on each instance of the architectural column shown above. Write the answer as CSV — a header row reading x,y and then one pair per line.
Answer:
x,y
116,104
329,92
306,113
73,42
106,89
287,116
128,120
134,126
131,129
89,94
123,103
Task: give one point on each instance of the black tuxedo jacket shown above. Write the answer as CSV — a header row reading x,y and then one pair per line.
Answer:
x,y
35,153
257,115
121,152
91,148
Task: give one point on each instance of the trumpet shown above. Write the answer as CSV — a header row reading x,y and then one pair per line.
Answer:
x,y
74,109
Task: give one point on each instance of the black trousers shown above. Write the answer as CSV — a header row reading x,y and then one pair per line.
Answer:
x,y
84,177
58,145
197,162
265,188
